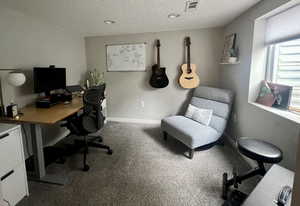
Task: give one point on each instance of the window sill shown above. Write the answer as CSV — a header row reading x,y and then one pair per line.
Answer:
x,y
282,113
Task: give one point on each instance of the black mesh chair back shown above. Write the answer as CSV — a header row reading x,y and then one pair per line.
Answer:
x,y
92,118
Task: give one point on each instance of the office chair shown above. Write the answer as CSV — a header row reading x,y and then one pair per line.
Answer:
x,y
89,122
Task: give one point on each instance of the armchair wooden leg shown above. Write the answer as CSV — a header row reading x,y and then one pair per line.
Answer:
x,y
191,153
165,136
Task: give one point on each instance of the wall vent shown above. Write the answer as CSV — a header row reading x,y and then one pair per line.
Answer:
x,y
191,5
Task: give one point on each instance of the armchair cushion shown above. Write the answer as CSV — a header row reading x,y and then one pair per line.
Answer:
x,y
189,132
219,109
215,94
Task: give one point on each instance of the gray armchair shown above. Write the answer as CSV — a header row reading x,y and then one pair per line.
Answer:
x,y
194,134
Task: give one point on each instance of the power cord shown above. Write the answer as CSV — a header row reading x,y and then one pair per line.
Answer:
x,y
6,202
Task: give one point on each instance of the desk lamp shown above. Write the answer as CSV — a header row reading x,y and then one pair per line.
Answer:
x,y
15,78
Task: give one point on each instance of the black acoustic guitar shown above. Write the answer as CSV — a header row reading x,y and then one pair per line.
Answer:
x,y
159,78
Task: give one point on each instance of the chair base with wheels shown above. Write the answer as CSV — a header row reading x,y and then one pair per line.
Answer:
x,y
85,143
93,142
260,151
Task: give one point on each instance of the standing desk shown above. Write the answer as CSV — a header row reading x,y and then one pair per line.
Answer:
x,y
269,187
37,117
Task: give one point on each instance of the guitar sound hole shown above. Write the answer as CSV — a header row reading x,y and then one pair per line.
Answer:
x,y
189,78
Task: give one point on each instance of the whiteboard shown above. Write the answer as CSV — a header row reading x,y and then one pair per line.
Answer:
x,y
126,57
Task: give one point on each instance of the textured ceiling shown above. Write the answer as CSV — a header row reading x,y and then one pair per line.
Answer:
x,y
132,16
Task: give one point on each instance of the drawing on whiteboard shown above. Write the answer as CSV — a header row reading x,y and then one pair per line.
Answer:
x,y
126,57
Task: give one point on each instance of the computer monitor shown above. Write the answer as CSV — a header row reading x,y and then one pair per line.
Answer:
x,y
47,79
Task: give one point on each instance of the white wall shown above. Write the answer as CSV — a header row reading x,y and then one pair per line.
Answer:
x,y
126,90
253,121
1,195
26,42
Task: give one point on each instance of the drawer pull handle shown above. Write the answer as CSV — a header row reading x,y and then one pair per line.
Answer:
x,y
4,135
7,175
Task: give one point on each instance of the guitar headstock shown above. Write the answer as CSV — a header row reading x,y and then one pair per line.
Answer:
x,y
188,41
157,43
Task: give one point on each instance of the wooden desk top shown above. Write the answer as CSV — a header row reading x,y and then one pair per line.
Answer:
x,y
51,115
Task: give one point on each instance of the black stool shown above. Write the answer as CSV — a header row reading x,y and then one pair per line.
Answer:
x,y
258,150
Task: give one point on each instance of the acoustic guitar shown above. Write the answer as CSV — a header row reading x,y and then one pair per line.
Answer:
x,y
189,78
159,78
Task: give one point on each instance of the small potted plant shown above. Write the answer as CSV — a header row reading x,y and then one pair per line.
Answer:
x,y
233,56
94,78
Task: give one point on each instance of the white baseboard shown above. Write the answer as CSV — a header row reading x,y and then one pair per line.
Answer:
x,y
131,120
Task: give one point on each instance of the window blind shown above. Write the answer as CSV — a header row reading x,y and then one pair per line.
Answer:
x,y
287,68
283,26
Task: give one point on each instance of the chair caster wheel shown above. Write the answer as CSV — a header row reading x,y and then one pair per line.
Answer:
x,y
110,152
225,188
86,168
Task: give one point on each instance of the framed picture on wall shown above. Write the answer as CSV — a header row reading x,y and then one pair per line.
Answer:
x,y
126,57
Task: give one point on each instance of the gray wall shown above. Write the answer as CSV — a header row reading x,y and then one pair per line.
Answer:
x,y
296,188
27,42
127,90
253,121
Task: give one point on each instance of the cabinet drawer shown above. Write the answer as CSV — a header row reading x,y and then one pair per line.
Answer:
x,y
14,185
11,151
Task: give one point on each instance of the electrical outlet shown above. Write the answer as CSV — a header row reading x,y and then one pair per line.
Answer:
x,y
142,103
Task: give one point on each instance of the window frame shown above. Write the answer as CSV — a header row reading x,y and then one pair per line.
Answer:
x,y
270,63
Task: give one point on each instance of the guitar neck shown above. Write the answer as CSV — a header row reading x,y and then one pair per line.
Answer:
x,y
188,56
158,57
189,70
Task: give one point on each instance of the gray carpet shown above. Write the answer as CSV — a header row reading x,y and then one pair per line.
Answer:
x,y
144,170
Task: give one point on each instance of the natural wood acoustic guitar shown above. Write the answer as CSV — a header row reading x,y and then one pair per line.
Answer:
x,y
189,78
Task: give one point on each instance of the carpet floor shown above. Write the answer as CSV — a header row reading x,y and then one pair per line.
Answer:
x,y
144,170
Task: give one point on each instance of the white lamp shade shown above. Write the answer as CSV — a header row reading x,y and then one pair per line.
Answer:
x,y
16,78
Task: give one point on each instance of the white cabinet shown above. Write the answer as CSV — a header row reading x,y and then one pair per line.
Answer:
x,y
13,176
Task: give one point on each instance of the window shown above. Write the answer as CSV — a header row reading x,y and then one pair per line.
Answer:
x,y
282,38
284,67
